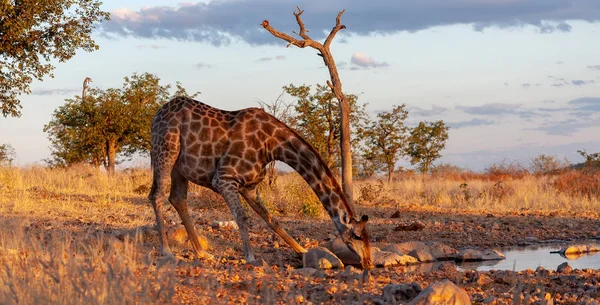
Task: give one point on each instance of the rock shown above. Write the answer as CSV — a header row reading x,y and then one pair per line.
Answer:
x,y
389,259
440,251
414,226
405,247
481,279
540,271
491,300
396,214
495,226
339,248
447,266
321,258
564,268
394,293
225,225
465,255
492,255
422,255
444,292
178,235
307,272
577,249
350,271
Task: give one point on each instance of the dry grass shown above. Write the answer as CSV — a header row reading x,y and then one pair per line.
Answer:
x,y
76,236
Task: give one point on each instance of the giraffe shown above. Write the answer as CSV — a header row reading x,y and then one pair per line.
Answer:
x,y
227,152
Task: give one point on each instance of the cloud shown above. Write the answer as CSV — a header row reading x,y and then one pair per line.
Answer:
x,y
595,67
497,109
263,59
202,65
435,110
472,122
222,22
360,60
560,62
151,46
579,82
564,127
589,104
55,91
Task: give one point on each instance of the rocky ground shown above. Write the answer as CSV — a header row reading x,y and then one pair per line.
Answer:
x,y
282,280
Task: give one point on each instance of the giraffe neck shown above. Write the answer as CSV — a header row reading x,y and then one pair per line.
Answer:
x,y
298,154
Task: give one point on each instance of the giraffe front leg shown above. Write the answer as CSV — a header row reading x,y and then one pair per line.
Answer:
x,y
255,202
229,190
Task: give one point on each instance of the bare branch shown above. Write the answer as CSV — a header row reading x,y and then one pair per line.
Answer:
x,y
303,30
292,41
330,86
338,26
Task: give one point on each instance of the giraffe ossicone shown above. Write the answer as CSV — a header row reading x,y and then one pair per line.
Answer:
x,y
227,152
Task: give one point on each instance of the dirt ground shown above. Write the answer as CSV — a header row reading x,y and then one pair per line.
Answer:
x,y
230,280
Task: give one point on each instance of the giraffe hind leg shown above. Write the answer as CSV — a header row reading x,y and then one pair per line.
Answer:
x,y
178,198
255,202
163,157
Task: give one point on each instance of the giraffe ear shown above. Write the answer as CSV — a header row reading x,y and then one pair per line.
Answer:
x,y
364,218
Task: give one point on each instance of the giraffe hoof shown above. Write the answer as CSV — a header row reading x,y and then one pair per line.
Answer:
x,y
203,255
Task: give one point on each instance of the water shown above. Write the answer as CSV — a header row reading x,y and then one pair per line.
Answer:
x,y
531,257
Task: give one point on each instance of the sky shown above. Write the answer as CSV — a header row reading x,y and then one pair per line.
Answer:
x,y
512,78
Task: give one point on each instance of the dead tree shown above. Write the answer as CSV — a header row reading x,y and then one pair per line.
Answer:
x,y
335,84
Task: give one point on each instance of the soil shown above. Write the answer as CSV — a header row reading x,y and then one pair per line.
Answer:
x,y
277,281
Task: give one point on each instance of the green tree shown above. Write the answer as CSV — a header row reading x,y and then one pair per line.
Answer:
x,y
592,160
108,122
385,139
425,143
317,120
34,33
7,155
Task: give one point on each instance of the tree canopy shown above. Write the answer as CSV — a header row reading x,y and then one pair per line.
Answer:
x,y
317,120
32,34
425,143
385,139
107,123
7,154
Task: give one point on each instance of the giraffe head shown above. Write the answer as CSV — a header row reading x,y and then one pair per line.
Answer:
x,y
356,238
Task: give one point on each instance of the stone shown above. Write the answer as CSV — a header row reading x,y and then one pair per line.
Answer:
x,y
321,258
225,225
465,255
422,255
394,293
414,226
440,251
306,272
577,249
492,255
564,268
390,259
178,235
444,292
405,247
339,248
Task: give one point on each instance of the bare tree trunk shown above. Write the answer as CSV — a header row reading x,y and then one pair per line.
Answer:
x,y
336,86
390,173
111,152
